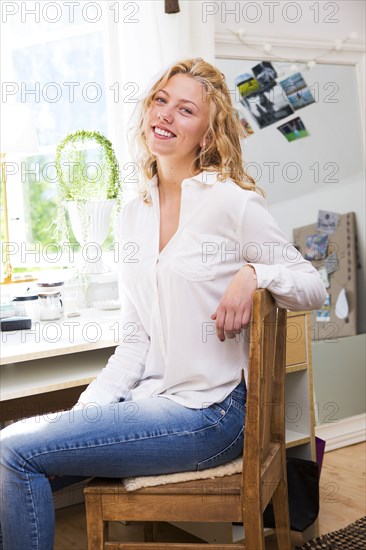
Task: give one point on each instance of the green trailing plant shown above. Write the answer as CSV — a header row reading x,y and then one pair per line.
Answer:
x,y
81,176
71,166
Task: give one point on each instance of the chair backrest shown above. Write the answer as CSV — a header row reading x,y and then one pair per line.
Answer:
x,y
264,423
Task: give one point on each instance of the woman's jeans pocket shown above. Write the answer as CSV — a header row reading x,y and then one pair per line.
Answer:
x,y
239,396
227,416
214,413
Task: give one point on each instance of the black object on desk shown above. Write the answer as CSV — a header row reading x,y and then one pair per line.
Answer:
x,y
16,323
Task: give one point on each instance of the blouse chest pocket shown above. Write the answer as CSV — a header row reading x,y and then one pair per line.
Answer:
x,y
195,256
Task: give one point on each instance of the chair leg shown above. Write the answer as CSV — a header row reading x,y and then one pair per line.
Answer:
x,y
97,529
253,527
282,518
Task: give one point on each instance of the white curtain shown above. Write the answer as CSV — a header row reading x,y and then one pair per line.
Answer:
x,y
145,41
158,39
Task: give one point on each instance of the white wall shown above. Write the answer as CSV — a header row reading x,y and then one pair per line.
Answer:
x,y
302,19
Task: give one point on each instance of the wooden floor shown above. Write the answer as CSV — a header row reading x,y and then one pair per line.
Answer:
x,y
342,501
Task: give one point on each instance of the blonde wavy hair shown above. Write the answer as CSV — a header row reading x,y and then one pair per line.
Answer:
x,y
221,152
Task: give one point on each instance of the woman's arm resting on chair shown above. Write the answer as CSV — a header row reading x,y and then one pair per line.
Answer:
x,y
293,281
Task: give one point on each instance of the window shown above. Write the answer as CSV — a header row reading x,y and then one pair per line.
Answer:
x,y
58,69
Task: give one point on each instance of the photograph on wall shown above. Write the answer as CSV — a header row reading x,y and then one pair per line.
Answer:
x,y
331,263
293,129
327,221
324,276
247,85
323,314
297,91
316,247
248,130
266,74
268,107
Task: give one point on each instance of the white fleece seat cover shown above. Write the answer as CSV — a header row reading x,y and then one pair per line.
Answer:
x,y
134,483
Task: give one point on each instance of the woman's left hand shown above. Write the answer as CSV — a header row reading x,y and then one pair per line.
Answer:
x,y
233,312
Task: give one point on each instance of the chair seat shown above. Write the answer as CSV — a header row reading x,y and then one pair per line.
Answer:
x,y
198,500
219,485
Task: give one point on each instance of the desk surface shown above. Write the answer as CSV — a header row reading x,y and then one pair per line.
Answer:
x,y
94,329
48,357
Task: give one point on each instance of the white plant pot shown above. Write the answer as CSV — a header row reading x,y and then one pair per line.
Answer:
x,y
90,222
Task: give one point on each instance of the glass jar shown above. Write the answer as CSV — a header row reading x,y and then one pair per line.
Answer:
x,y
50,298
27,305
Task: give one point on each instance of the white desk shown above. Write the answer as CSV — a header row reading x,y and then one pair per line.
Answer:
x,y
46,368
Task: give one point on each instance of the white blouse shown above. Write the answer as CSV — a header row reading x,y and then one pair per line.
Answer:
x,y
169,346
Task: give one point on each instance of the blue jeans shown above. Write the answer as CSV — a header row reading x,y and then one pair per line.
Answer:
x,y
130,438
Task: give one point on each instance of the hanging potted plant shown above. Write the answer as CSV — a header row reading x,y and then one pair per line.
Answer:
x,y
89,187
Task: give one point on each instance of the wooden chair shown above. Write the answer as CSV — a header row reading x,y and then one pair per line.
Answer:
x,y
236,498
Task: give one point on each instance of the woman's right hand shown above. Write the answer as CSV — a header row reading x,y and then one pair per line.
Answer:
x,y
234,310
